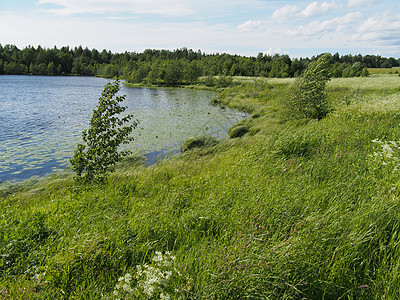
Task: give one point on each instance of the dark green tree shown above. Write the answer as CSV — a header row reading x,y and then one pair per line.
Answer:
x,y
173,73
107,131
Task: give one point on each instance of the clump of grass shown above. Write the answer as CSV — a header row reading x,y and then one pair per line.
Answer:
x,y
199,142
238,131
300,143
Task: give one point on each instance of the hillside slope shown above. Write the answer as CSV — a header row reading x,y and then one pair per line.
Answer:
x,y
290,210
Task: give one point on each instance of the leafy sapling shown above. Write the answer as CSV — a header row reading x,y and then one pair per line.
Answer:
x,y
107,131
309,98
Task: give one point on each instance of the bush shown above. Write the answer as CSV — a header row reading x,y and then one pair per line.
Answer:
x,y
106,133
309,98
209,81
224,81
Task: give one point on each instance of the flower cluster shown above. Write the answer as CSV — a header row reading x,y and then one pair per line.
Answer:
x,y
123,287
153,280
389,151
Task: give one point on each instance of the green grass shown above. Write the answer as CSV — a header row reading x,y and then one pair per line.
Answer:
x,y
293,209
394,70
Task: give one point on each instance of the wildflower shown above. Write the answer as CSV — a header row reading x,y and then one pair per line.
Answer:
x,y
164,296
127,288
153,280
387,151
128,277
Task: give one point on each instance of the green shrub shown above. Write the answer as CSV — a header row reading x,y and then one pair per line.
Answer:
x,y
308,98
209,81
224,81
106,133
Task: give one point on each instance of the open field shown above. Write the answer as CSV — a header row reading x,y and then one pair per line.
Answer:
x,y
294,209
394,70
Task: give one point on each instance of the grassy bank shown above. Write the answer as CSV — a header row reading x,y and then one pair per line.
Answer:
x,y
291,210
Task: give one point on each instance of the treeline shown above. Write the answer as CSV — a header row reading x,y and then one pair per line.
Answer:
x,y
164,67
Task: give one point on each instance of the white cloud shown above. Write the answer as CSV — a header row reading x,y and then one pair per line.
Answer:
x,y
313,9
119,36
285,13
315,28
385,29
251,26
272,51
352,3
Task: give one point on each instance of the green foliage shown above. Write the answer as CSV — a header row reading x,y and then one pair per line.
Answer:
x,y
309,98
364,72
181,66
106,133
209,81
224,81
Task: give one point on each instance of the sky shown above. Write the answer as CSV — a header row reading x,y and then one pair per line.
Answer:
x,y
243,27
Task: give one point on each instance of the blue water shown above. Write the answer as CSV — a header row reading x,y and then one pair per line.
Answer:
x,y
42,118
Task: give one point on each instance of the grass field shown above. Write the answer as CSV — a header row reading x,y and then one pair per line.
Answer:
x,y
394,70
294,209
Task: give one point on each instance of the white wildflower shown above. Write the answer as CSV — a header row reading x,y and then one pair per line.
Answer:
x,y
164,296
126,287
158,257
168,274
128,277
152,279
387,151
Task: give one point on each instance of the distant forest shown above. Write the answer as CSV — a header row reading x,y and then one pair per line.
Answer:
x,y
171,68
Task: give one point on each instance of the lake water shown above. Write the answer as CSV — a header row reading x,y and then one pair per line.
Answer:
x,y
42,119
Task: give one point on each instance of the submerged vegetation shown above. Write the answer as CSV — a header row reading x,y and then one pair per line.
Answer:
x,y
288,209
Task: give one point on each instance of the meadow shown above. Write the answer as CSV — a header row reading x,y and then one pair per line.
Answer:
x,y
291,209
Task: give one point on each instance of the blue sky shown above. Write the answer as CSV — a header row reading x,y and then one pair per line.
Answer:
x,y
245,27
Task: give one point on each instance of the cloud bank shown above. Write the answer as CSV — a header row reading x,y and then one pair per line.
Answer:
x,y
292,11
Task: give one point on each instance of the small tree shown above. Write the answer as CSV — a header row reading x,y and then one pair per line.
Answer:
x,y
309,98
106,133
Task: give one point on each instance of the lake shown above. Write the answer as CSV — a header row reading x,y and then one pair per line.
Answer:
x,y
42,119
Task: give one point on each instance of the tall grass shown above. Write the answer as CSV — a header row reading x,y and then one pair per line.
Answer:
x,y
290,210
